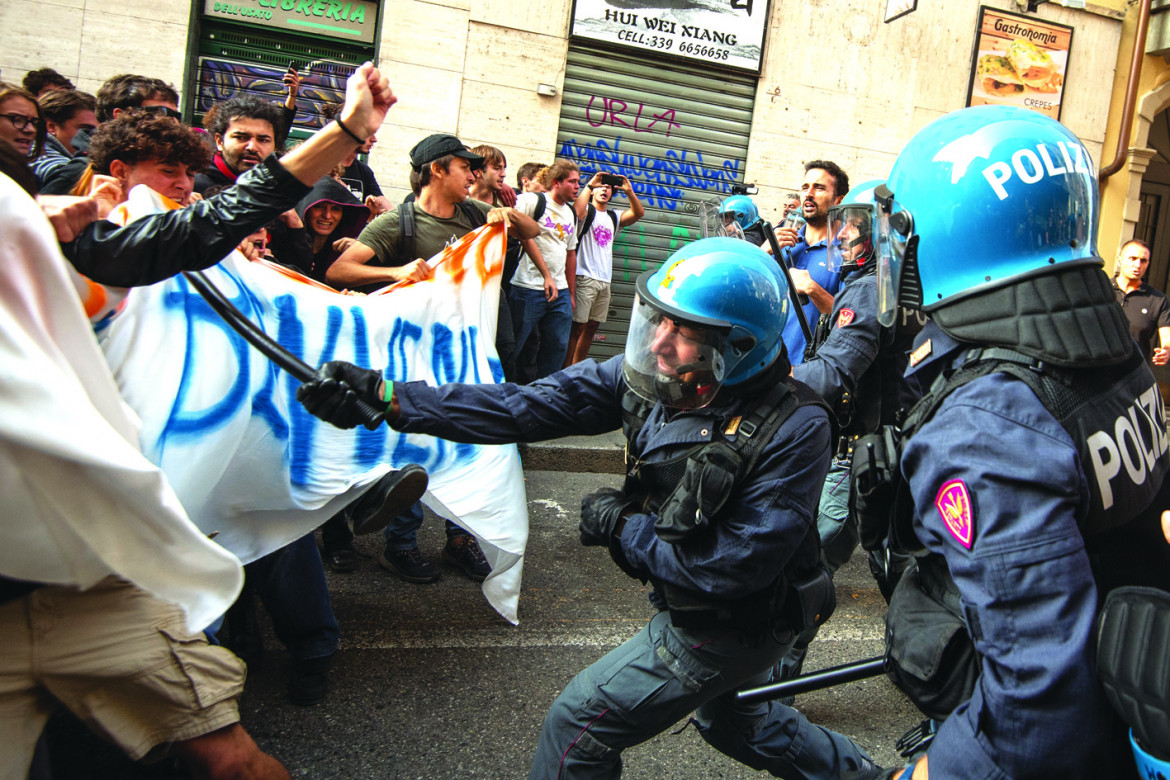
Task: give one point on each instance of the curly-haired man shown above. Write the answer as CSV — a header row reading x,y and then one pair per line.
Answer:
x,y
144,148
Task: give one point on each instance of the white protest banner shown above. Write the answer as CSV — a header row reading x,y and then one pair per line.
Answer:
x,y
250,464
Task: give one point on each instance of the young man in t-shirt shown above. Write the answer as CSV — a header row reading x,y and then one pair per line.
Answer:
x,y
444,170
543,287
595,258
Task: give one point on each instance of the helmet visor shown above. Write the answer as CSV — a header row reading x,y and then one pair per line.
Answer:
x,y
891,250
851,234
671,360
713,222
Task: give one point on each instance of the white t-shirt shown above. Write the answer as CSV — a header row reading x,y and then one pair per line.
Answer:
x,y
558,234
595,252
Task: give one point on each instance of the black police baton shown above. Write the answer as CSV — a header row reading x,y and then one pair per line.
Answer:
x,y
815,681
267,346
798,299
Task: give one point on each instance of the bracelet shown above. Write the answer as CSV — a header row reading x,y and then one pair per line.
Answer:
x,y
387,390
348,132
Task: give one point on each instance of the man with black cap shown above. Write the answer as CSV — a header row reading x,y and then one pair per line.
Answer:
x,y
443,172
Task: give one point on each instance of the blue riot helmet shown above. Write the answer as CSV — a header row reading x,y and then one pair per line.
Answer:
x,y
711,315
740,210
854,226
1148,765
984,198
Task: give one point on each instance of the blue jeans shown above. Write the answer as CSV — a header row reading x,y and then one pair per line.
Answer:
x,y
402,532
291,584
552,319
838,531
660,676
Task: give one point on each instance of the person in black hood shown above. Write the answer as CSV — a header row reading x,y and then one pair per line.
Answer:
x,y
333,218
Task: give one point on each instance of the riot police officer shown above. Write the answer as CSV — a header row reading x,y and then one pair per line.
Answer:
x,y
1033,462
858,366
741,219
726,457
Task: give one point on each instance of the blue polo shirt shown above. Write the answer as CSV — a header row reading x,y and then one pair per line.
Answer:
x,y
811,259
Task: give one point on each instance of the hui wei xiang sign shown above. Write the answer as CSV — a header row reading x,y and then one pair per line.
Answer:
x,y
717,32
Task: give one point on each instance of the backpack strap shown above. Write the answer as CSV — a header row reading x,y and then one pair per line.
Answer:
x,y
538,212
406,233
584,224
473,214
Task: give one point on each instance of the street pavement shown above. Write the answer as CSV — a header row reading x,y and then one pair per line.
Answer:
x,y
430,683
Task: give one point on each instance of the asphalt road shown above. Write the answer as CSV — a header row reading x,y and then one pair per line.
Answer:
x,y
431,683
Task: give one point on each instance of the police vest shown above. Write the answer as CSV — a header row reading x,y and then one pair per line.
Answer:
x,y
1116,420
1114,416
688,491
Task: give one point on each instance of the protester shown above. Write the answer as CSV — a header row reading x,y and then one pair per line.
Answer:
x,y
528,177
141,148
20,120
443,169
544,286
104,582
42,81
806,247
597,230
67,112
117,95
246,130
333,219
159,246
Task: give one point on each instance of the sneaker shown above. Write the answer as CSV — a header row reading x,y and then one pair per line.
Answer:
x,y
393,495
464,554
342,559
409,565
310,680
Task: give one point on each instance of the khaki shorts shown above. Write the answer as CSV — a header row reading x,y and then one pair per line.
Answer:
x,y
592,300
120,659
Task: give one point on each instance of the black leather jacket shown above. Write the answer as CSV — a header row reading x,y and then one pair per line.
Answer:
x,y
192,238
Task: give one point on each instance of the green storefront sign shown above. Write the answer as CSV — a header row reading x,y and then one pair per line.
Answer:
x,y
351,20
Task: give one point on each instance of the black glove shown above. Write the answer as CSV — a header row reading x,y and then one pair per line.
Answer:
x,y
600,513
333,394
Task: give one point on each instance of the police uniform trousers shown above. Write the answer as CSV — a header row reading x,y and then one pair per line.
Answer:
x,y
663,674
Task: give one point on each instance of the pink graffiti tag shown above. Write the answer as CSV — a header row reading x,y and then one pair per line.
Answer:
x,y
613,110
954,505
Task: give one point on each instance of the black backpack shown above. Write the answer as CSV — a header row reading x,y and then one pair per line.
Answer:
x,y
586,223
406,227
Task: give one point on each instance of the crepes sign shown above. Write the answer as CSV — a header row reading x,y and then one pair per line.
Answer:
x,y
1019,61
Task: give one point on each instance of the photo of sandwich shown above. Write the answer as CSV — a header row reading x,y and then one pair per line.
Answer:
x,y
996,76
1018,69
1034,65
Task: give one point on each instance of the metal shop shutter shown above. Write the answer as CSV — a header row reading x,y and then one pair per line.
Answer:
x,y
235,60
678,131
